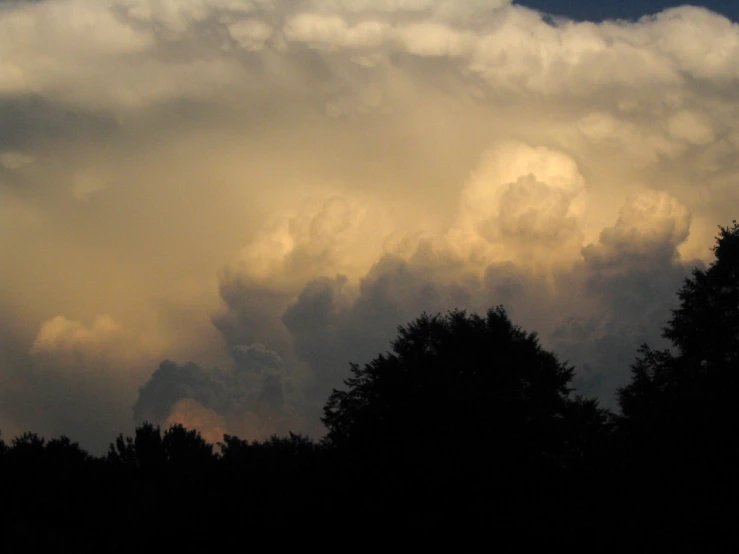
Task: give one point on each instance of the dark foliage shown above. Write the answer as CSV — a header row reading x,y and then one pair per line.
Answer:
x,y
691,387
464,410
680,413
458,387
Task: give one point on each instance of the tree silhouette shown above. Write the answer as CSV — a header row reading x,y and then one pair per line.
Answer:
x,y
467,424
463,403
705,328
704,331
680,412
178,449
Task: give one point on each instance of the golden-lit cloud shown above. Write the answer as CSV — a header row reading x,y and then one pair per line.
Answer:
x,y
60,335
191,414
194,180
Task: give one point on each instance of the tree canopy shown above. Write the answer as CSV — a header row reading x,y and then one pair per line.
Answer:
x,y
705,328
460,391
680,415
704,331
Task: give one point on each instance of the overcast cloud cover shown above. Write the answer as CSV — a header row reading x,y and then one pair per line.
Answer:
x,y
208,208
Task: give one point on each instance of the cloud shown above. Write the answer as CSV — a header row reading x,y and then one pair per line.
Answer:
x,y
86,183
321,236
15,160
64,337
649,223
596,310
70,376
216,175
691,128
191,414
254,397
520,195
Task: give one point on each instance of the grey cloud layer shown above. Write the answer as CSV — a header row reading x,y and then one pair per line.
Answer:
x,y
214,179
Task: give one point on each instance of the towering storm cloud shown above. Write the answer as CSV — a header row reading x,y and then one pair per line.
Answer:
x,y
209,208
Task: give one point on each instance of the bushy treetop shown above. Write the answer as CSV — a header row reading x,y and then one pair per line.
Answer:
x,y
477,386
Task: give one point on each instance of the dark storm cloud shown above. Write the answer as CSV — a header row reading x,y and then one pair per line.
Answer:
x,y
255,397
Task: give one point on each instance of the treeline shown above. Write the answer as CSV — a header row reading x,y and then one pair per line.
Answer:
x,y
467,430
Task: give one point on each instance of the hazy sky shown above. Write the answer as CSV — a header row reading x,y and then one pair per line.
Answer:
x,y
208,208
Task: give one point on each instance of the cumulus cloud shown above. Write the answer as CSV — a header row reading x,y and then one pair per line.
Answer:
x,y
519,195
649,223
62,336
254,397
270,187
321,236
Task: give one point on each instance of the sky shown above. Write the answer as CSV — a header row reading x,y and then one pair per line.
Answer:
x,y
623,9
209,208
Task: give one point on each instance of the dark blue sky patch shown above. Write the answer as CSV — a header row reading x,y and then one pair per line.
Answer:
x,y
623,9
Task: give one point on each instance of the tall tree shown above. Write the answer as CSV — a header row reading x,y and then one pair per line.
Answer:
x,y
680,418
705,328
704,331
461,395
